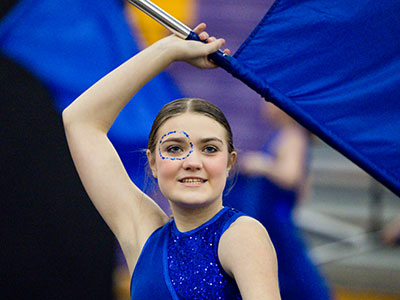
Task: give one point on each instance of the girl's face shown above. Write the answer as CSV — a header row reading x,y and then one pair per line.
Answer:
x,y
191,161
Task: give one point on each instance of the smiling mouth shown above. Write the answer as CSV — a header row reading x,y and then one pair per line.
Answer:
x,y
192,180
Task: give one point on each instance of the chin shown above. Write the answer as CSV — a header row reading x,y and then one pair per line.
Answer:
x,y
192,202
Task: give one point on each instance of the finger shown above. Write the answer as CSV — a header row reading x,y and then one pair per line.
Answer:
x,y
211,39
227,51
199,28
216,44
203,36
210,65
213,47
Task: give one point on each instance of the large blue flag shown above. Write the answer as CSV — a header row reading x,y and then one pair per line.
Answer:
x,y
69,45
335,67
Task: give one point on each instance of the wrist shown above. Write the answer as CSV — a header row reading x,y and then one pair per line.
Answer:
x,y
164,48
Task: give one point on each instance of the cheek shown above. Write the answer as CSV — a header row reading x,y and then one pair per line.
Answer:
x,y
166,168
218,167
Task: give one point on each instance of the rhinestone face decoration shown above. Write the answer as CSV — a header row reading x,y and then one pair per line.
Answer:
x,y
179,150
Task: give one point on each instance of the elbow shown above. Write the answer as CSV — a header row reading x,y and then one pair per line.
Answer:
x,y
75,120
66,117
72,115
292,183
71,118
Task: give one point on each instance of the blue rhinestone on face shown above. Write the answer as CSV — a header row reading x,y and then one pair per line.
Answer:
x,y
175,158
193,263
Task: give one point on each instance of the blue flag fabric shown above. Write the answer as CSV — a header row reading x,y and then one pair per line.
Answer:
x,y
69,45
334,66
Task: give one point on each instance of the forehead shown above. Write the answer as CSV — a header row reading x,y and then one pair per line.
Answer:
x,y
195,125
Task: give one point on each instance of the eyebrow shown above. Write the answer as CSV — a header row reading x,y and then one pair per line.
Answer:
x,y
181,140
211,139
174,140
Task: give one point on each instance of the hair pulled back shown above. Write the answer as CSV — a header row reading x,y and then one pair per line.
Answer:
x,y
180,106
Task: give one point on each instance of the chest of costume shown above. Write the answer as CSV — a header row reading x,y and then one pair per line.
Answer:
x,y
185,265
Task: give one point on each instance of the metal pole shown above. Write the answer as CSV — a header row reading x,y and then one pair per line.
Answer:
x,y
181,30
162,17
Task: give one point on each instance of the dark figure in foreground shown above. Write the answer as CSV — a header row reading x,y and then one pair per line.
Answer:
x,y
54,244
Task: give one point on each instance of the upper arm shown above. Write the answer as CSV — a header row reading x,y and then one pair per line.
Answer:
x,y
291,157
129,213
247,254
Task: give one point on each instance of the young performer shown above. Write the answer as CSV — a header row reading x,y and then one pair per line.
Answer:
x,y
206,251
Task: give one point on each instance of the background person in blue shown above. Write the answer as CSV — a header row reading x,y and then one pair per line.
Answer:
x,y
54,244
269,185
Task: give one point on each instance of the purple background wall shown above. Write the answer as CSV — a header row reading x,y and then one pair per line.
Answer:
x,y
233,20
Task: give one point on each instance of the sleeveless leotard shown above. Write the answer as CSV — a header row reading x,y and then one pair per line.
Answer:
x,y
184,265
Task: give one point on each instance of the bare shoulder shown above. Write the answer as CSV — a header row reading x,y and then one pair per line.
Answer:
x,y
245,233
246,253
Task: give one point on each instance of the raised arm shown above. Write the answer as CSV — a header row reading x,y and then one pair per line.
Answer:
x,y
130,214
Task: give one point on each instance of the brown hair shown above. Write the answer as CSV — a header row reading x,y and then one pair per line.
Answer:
x,y
180,106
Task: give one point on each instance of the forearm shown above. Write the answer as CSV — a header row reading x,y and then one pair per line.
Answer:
x,y
287,167
100,104
287,177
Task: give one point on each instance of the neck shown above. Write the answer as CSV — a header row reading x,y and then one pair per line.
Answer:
x,y
188,218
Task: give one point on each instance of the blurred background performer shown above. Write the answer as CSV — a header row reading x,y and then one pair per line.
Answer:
x,y
274,180
54,244
391,232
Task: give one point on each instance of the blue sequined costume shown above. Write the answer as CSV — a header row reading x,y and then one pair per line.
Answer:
x,y
184,265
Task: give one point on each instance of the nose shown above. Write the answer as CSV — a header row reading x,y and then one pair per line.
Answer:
x,y
192,162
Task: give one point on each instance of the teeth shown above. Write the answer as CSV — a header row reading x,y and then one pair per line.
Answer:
x,y
191,180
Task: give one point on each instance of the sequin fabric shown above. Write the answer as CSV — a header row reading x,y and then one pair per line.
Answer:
x,y
193,264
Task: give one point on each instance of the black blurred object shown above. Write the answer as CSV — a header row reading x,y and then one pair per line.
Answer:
x,y
6,5
54,245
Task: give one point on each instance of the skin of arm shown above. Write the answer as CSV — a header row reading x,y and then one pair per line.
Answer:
x,y
247,254
391,232
287,168
131,215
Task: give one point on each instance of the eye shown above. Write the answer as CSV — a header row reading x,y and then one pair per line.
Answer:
x,y
174,149
210,149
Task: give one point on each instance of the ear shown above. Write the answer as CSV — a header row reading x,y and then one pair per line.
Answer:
x,y
232,157
152,163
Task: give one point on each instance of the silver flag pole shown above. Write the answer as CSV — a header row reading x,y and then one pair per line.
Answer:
x,y
181,30
162,17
